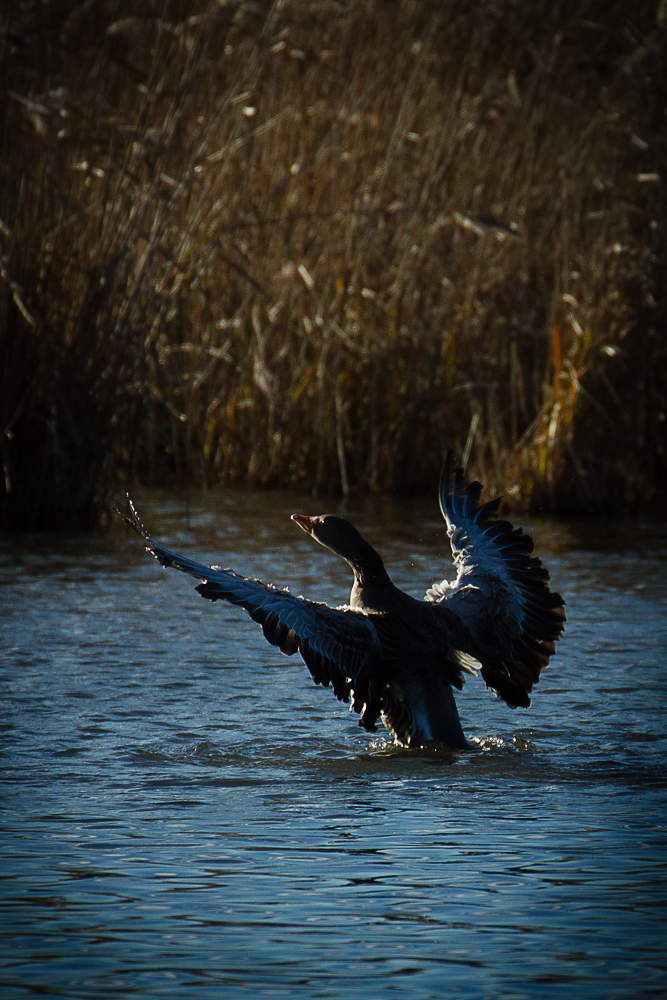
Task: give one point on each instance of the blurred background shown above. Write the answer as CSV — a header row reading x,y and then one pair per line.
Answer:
x,y
315,243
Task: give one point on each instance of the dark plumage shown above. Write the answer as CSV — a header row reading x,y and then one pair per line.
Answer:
x,y
396,657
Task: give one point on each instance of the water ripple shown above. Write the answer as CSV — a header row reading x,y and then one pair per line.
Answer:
x,y
185,812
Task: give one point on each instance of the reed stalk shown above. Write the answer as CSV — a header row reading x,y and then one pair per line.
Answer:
x,y
317,244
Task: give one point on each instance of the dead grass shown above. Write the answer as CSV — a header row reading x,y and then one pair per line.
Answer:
x,y
317,244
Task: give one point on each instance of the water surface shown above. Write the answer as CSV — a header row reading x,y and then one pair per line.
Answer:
x,y
185,814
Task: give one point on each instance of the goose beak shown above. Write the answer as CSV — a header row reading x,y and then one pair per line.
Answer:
x,y
305,523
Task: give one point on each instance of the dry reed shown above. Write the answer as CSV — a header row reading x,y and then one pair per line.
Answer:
x,y
317,243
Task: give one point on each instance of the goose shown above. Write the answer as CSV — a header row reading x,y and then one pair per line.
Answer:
x,y
394,657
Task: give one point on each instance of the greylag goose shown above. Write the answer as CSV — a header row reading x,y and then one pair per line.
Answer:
x,y
393,656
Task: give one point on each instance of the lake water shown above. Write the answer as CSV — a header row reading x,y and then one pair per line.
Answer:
x,y
185,814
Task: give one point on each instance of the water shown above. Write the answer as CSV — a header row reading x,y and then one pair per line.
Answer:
x,y
186,815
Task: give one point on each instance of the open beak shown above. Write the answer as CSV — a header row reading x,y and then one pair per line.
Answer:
x,y
305,523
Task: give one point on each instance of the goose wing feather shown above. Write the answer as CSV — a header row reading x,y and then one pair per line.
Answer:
x,y
501,593
340,646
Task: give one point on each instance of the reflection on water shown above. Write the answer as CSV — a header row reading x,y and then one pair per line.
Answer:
x,y
185,813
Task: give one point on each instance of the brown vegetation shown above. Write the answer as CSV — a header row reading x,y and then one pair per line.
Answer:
x,y
317,243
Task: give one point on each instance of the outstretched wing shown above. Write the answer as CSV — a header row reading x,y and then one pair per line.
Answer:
x,y
501,593
340,646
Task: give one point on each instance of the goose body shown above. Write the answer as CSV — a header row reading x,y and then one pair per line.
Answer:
x,y
392,656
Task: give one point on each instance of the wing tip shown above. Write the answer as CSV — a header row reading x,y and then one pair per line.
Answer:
x,y
132,520
457,499
444,488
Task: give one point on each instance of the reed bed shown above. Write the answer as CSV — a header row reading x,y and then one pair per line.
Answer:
x,y
317,243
